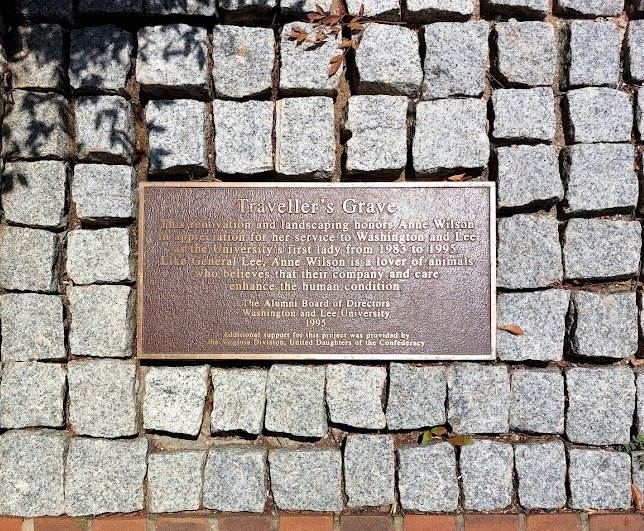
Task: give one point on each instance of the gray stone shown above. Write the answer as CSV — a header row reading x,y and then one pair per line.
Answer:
x,y
522,8
36,126
639,114
450,135
101,255
295,400
102,321
416,397
32,394
28,259
428,10
102,398
179,131
369,470
593,58
599,178
638,469
601,403
486,471
427,478
100,59
635,51
33,465
591,8
172,61
455,59
305,138
58,10
537,401
243,61
104,129
174,399
105,476
586,254
245,8
527,54
244,136
174,481
605,325
33,193
528,252
99,7
599,479
599,115
36,57
378,128
527,176
388,61
293,7
541,468
204,8
32,327
306,480
478,398
380,9
639,419
524,114
239,400
354,395
235,479
104,193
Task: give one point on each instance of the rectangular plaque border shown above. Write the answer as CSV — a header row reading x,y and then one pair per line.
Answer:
x,y
490,185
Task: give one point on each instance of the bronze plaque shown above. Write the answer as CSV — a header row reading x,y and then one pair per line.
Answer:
x,y
395,271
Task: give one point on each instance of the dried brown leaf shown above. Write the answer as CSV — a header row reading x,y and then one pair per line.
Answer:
x,y
346,43
513,329
319,9
636,362
356,26
336,59
361,12
459,177
243,51
335,66
637,497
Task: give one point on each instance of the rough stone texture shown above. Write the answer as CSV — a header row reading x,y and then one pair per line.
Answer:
x,y
295,400
305,138
388,61
528,252
33,193
455,59
427,478
635,51
36,57
599,479
354,395
541,468
524,8
105,476
478,398
239,399
36,125
99,7
296,7
586,255
601,403
101,255
174,481
178,132
427,10
306,480
243,136
235,479
243,61
241,8
416,397
58,10
104,193
591,8
102,398
599,177
599,115
639,420
204,8
369,470
524,114
32,394
172,61
594,54
32,327
486,471
527,55
636,468
104,129
32,463
174,399
450,135
100,58
537,401
379,9
639,115
28,259
102,321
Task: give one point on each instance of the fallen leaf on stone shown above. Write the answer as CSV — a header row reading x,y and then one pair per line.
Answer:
x,y
243,51
459,440
513,329
637,362
637,496
459,177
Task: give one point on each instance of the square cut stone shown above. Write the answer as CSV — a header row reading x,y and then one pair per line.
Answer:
x,y
33,193
174,481
639,114
537,401
518,8
594,52
587,256
101,255
102,398
174,399
369,470
36,57
486,470
28,259
639,386
599,115
32,394
104,129
388,61
524,114
239,400
240,9
58,10
450,136
103,193
99,7
102,321
541,468
379,9
635,51
591,8
203,8
422,11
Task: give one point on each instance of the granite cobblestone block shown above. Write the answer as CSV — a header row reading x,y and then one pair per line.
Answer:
x,y
541,468
295,8
591,8
101,255
422,11
379,9
486,471
239,400
203,8
58,10
599,479
369,470
98,7
524,114
174,481
639,411
36,57
518,8
634,46
594,51
239,9
537,401
598,114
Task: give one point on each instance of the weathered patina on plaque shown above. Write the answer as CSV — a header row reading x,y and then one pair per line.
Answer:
x,y
401,271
